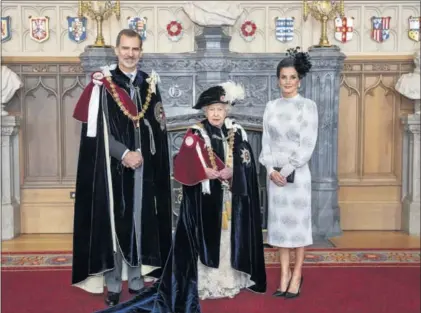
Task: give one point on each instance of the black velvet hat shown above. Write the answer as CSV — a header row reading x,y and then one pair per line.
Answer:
x,y
226,93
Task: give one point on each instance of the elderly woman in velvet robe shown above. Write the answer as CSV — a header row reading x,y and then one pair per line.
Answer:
x,y
218,246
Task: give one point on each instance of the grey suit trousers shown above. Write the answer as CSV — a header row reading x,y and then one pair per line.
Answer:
x,y
113,278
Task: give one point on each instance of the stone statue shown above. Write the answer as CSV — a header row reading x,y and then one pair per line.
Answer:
x,y
409,84
10,83
213,13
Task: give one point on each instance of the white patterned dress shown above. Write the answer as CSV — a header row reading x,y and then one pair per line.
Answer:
x,y
290,127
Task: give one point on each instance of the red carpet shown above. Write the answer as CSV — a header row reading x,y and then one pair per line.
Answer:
x,y
385,289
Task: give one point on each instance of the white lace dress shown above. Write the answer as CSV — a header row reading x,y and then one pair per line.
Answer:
x,y
222,282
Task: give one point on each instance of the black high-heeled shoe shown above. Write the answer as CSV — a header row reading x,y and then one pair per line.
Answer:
x,y
279,293
290,295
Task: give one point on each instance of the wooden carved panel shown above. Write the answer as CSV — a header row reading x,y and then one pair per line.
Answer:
x,y
50,136
370,136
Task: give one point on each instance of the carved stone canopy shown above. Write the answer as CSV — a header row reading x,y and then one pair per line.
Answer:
x,y
213,13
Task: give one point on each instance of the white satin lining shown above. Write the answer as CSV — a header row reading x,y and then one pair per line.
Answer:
x,y
93,109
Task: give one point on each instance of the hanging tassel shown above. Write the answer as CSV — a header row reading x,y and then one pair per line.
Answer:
x,y
226,213
224,220
228,209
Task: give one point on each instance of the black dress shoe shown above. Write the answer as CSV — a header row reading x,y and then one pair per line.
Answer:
x,y
112,298
134,292
290,295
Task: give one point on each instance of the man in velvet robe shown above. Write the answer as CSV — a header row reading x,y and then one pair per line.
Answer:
x,y
122,221
217,168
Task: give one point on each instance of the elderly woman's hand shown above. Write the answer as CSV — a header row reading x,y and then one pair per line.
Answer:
x,y
278,179
226,173
211,173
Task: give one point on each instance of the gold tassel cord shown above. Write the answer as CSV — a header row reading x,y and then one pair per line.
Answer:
x,y
224,220
226,213
228,208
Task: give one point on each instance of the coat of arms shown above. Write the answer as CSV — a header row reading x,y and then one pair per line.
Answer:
x,y
77,28
284,28
414,28
138,24
39,28
6,33
380,28
344,28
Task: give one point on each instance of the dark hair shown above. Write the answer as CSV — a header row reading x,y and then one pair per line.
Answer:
x,y
128,33
298,60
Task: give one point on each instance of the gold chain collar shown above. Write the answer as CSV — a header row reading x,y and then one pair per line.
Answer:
x,y
211,153
116,97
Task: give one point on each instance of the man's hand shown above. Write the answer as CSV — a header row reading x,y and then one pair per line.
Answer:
x,y
133,159
211,173
226,173
278,179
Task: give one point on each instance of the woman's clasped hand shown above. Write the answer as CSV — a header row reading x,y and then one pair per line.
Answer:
x,y
225,173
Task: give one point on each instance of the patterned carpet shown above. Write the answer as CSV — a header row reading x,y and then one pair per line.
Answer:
x,y
331,257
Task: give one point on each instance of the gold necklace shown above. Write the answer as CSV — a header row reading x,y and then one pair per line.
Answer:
x,y
141,114
211,153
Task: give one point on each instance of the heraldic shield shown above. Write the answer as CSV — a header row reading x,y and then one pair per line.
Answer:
x,y
77,28
6,33
138,24
39,28
380,28
414,28
344,28
284,28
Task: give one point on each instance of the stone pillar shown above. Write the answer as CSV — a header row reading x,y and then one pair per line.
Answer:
x,y
10,182
92,59
411,175
409,86
212,58
322,86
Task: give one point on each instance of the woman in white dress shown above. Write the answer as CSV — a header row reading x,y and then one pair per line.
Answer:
x,y
290,125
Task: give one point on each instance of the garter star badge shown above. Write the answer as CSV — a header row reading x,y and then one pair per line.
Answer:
x,y
6,33
39,28
245,156
160,115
